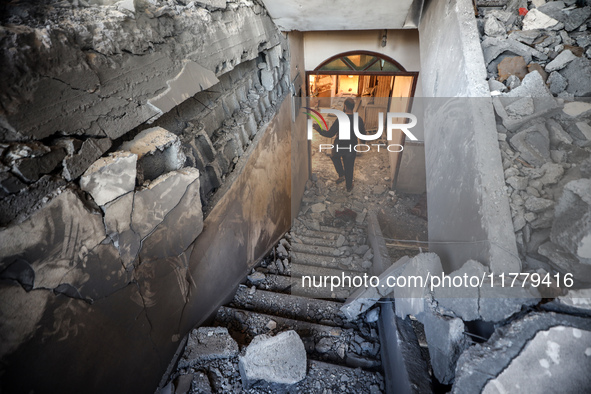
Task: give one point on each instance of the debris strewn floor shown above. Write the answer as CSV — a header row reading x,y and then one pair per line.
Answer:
x,y
328,238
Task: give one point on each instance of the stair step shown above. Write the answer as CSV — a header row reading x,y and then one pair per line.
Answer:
x,y
317,241
316,249
334,262
322,342
293,284
291,306
305,232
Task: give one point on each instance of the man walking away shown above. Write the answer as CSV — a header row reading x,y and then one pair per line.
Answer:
x,y
343,153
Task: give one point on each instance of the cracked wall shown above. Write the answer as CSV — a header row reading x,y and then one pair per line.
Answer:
x,y
132,127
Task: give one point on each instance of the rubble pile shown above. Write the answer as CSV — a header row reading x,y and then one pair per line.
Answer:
x,y
538,58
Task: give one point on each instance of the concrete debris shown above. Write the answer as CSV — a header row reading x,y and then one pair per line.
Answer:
x,y
521,353
512,65
279,359
535,20
446,340
410,300
158,151
560,61
493,27
572,220
208,343
110,177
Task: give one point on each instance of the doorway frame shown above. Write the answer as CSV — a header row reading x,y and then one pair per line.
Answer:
x,y
402,73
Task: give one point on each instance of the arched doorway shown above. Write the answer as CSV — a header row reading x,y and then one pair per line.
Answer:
x,y
380,83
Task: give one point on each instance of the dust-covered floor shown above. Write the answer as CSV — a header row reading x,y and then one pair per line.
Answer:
x,y
402,217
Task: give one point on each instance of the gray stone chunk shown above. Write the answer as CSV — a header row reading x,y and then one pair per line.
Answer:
x,y
10,184
560,61
18,206
550,362
279,359
155,200
158,151
536,204
493,27
110,177
364,298
533,145
575,109
531,86
267,79
208,343
461,301
557,134
576,302
572,219
32,168
521,107
492,47
483,362
565,262
410,299
552,173
446,341
578,74
498,303
91,150
495,85
527,37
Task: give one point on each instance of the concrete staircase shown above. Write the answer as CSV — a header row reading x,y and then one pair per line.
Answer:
x,y
343,356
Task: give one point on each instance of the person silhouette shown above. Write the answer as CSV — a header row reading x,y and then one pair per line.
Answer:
x,y
343,153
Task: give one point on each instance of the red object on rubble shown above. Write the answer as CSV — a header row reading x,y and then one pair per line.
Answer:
x,y
523,11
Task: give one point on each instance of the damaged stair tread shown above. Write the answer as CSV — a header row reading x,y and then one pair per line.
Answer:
x,y
316,249
290,306
305,232
310,240
336,264
322,342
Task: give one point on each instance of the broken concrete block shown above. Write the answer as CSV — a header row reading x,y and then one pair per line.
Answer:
x,y
9,184
279,359
446,341
496,86
578,74
557,134
493,27
536,204
318,207
535,19
577,109
584,129
533,145
574,302
16,207
552,173
212,3
267,79
565,262
521,107
519,354
462,301
531,86
76,163
158,151
364,298
410,300
208,343
110,177
498,303
156,199
560,61
557,82
572,219
512,65
30,169
537,67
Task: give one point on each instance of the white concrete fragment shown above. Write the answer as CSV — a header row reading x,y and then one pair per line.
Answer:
x,y
577,108
279,359
538,20
110,177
